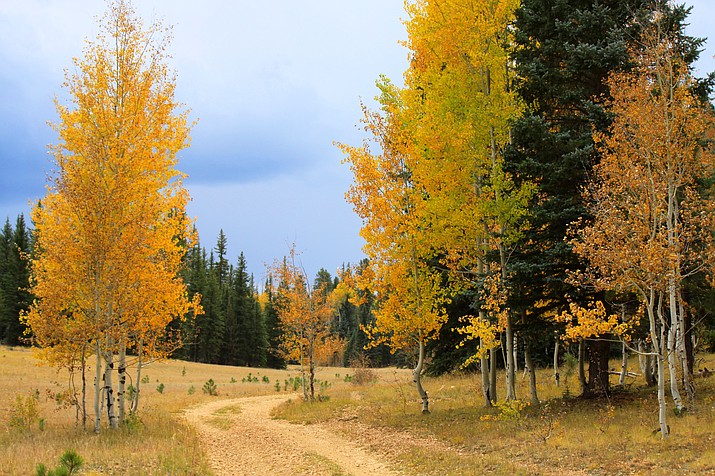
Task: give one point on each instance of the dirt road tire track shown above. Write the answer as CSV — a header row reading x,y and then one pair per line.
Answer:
x,y
249,442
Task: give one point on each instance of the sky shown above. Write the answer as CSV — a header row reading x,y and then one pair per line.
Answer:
x,y
272,84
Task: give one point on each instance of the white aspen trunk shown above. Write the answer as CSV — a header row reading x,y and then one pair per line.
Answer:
x,y
84,387
515,351
656,337
98,388
557,376
534,397
417,377
683,352
109,388
672,368
135,400
311,369
624,365
122,380
582,364
510,367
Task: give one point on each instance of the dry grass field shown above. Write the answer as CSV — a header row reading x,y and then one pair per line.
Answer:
x,y
565,435
160,444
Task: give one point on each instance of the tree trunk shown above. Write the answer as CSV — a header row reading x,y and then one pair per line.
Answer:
x,y
557,376
109,388
510,364
598,380
624,365
84,388
135,400
657,339
311,369
582,365
673,371
98,388
534,397
121,385
685,346
484,366
416,377
493,355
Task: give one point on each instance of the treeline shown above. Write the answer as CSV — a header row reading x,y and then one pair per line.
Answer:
x,y
240,324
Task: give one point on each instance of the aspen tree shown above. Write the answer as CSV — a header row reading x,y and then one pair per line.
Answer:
x,y
653,226
111,230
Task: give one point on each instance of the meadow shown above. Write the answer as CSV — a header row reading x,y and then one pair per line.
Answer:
x,y
564,435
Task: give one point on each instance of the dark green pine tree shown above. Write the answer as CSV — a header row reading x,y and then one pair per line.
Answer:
x,y
194,275
6,304
274,356
210,325
245,338
15,246
564,49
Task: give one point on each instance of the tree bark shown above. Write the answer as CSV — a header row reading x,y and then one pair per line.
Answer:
x,y
534,397
484,366
582,365
109,388
121,385
493,354
416,377
624,365
98,388
135,400
557,376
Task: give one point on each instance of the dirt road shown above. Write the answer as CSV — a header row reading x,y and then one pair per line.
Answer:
x,y
241,438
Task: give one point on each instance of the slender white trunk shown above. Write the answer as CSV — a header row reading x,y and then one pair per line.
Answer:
x,y
121,384
672,368
109,388
557,376
658,346
582,364
98,388
135,400
624,365
417,377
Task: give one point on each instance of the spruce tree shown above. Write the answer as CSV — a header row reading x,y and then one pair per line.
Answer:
x,y
15,298
564,50
275,358
6,303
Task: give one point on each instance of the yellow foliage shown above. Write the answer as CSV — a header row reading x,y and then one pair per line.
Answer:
x,y
111,231
592,321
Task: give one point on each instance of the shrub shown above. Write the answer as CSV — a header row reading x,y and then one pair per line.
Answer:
x,y
160,388
25,413
210,388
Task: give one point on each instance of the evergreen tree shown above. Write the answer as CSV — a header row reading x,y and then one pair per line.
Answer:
x,y
274,356
15,298
210,325
6,304
564,50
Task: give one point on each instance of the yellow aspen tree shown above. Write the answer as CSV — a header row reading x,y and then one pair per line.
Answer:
x,y
306,315
410,293
459,107
111,230
653,226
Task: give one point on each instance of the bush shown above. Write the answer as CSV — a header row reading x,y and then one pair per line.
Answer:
x,y
210,388
25,414
362,373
